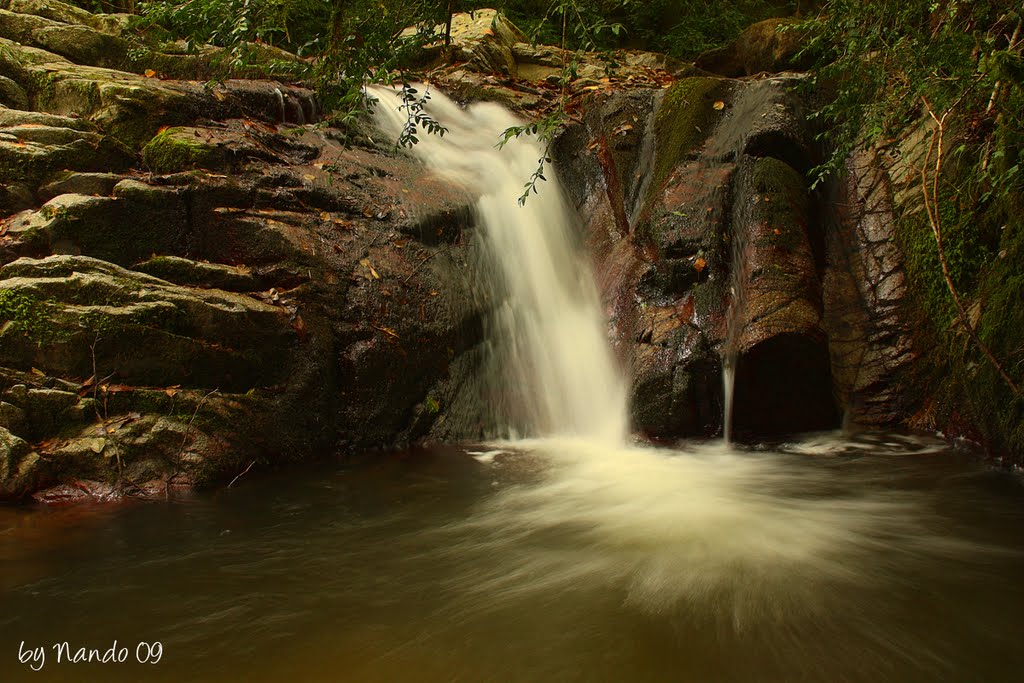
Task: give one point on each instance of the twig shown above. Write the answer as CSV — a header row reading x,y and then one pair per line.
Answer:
x,y
239,476
418,266
184,440
999,84
935,220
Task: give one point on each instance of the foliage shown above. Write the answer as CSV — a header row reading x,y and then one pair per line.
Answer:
x,y
19,313
680,28
924,67
879,59
345,45
580,28
416,116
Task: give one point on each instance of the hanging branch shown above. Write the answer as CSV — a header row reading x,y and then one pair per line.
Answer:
x,y
934,219
999,84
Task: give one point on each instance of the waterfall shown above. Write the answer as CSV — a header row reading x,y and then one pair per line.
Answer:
x,y
548,328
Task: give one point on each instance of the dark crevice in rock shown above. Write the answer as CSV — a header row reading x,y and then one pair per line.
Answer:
x,y
784,386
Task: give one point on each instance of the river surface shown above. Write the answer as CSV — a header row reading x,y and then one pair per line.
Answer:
x,y
869,558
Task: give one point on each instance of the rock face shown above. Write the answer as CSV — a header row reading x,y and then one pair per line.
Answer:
x,y
712,245
237,288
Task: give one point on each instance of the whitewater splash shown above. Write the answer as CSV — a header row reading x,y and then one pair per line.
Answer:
x,y
549,330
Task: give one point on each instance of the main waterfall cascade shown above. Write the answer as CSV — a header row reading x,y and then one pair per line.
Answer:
x,y
744,538
549,331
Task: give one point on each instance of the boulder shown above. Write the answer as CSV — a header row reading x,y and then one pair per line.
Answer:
x,y
70,182
18,466
184,271
31,151
769,46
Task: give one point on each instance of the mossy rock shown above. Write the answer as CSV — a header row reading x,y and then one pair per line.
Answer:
x,y
108,228
178,149
1001,328
71,182
13,418
84,45
766,46
783,203
62,310
54,10
685,121
184,271
20,27
32,152
12,95
19,466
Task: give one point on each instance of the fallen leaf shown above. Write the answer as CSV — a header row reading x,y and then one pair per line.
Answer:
x,y
299,325
369,266
86,386
38,373
386,330
700,264
119,389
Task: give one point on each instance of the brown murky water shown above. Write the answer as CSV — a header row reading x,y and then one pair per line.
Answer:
x,y
877,558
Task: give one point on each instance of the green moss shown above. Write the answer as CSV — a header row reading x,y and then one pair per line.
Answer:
x,y
1001,328
965,254
22,314
966,392
171,151
684,121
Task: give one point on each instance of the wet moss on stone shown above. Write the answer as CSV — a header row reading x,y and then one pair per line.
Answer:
x,y
21,314
684,121
170,151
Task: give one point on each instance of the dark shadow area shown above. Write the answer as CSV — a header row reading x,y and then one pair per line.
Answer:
x,y
784,386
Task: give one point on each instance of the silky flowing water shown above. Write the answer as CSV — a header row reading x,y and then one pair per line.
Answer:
x,y
872,558
553,364
573,555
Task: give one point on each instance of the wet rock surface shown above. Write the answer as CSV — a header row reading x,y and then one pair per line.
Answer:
x,y
237,289
724,249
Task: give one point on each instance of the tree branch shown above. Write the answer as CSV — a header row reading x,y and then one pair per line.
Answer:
x,y
931,205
